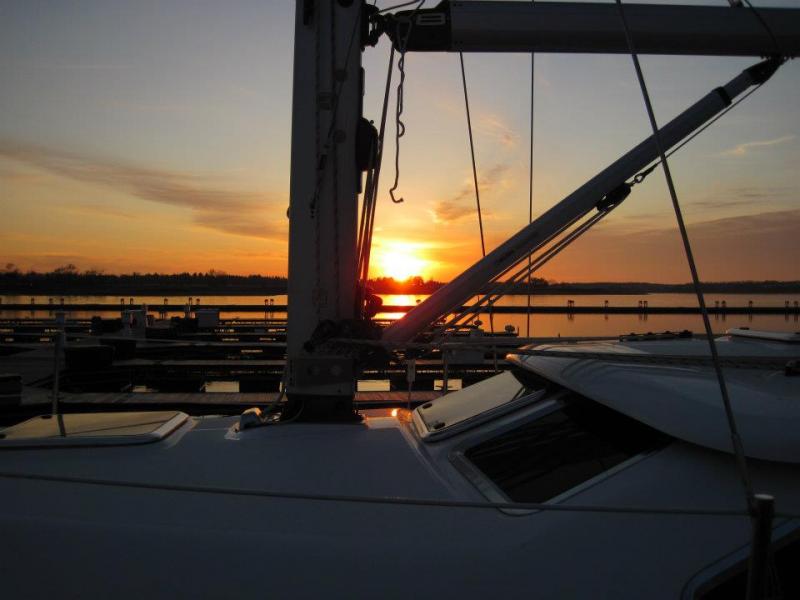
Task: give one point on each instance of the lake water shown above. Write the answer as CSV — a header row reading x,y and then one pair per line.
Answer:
x,y
540,325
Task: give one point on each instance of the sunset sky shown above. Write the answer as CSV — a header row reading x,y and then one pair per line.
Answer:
x,y
154,136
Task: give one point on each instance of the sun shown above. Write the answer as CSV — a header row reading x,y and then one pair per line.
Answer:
x,y
400,261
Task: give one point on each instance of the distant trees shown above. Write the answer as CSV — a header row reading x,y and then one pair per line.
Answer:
x,y
68,279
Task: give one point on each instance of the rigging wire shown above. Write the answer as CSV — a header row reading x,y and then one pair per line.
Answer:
x,y
778,50
335,171
734,432
530,191
388,500
472,153
474,169
500,288
373,181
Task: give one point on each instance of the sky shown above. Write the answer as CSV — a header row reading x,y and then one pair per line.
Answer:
x,y
155,136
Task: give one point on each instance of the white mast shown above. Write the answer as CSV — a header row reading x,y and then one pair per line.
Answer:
x,y
323,198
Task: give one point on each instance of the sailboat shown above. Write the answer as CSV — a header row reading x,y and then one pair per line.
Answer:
x,y
591,470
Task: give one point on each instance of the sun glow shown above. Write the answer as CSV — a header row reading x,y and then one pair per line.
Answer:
x,y
400,260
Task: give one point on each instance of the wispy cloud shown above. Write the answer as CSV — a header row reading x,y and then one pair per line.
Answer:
x,y
454,208
84,66
741,196
446,211
494,126
212,204
743,149
753,246
721,203
91,208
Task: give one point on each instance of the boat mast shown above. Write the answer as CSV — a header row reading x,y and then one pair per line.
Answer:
x,y
323,203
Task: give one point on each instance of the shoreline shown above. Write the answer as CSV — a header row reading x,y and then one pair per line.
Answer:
x,y
545,291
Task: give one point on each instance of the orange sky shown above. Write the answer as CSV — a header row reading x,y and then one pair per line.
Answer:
x,y
164,146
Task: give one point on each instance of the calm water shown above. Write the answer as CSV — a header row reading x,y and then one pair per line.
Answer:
x,y
540,325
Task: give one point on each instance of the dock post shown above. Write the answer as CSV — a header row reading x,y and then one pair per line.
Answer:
x,y
411,375
445,372
763,510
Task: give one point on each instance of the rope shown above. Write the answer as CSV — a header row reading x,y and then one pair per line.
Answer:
x,y
390,500
734,433
530,191
767,28
371,192
335,153
472,153
400,127
474,170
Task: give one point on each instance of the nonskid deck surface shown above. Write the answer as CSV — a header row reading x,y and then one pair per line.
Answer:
x,y
203,526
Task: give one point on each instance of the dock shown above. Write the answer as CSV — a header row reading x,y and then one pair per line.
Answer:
x,y
275,309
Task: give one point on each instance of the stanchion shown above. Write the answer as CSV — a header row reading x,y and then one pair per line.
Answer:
x,y
758,567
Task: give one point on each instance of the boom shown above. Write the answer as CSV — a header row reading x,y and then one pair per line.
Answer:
x,y
593,27
577,204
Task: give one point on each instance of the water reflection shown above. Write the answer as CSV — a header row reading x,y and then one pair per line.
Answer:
x,y
542,325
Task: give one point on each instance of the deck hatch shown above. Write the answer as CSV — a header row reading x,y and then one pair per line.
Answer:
x,y
473,405
92,429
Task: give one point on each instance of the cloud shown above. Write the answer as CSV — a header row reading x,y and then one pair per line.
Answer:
x,y
754,246
743,149
89,208
452,209
446,211
84,66
739,196
212,204
723,203
495,127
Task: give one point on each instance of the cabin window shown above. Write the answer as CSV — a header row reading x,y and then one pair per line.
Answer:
x,y
784,579
562,449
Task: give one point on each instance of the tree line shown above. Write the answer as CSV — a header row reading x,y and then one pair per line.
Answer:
x,y
69,280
